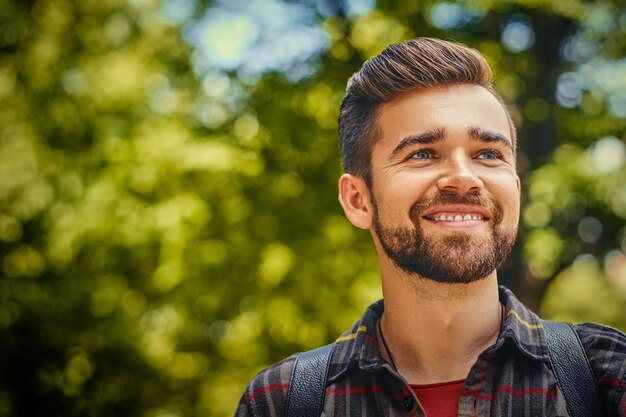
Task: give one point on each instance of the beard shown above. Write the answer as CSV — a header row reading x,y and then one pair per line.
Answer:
x,y
453,257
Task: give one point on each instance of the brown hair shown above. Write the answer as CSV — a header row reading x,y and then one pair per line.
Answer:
x,y
402,67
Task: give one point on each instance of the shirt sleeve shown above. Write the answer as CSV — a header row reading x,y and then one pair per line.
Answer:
x,y
606,350
243,410
266,394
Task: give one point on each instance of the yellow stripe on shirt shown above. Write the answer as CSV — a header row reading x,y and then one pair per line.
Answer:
x,y
524,322
352,335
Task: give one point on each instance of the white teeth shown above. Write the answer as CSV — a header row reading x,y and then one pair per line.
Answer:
x,y
458,217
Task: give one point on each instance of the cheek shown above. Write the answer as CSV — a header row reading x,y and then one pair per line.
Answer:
x,y
507,194
395,201
409,185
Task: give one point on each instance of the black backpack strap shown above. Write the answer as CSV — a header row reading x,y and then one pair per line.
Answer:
x,y
572,370
308,382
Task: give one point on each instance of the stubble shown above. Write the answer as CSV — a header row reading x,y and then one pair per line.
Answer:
x,y
455,257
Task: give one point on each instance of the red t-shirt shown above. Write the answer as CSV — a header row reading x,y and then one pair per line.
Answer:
x,y
440,400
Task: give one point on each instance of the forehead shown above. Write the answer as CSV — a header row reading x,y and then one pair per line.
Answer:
x,y
454,108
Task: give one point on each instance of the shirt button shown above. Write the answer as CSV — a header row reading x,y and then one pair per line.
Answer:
x,y
408,402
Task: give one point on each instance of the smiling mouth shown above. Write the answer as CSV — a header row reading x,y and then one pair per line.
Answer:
x,y
455,217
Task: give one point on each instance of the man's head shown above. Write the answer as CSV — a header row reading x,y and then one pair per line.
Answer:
x,y
429,153
416,64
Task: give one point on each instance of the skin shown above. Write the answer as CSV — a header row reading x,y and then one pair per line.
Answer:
x,y
469,152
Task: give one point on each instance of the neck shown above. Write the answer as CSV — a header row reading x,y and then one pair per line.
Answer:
x,y
434,331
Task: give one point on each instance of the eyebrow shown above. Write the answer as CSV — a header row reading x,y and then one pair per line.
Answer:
x,y
432,136
482,135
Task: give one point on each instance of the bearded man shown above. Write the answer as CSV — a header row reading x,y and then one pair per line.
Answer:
x,y
429,153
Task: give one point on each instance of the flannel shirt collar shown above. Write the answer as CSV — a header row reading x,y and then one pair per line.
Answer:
x,y
523,327
357,346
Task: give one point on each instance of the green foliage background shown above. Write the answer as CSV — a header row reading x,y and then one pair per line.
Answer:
x,y
163,237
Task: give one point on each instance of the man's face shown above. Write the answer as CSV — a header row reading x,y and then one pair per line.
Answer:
x,y
445,195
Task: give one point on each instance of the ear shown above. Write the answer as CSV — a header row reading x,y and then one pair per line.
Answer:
x,y
354,197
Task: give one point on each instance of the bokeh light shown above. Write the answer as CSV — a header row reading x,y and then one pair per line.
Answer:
x,y
168,214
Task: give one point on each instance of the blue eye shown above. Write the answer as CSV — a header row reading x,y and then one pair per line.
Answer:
x,y
490,154
423,154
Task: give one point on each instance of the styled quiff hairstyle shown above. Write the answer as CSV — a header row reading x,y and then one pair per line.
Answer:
x,y
415,64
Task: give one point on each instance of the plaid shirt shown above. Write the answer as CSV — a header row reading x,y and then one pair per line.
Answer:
x,y
513,377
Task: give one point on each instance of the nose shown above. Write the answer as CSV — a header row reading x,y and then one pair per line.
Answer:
x,y
458,175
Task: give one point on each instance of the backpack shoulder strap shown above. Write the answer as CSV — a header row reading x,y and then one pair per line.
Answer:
x,y
308,382
572,370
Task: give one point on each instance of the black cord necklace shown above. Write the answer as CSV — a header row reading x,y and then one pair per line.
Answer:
x,y
393,363
382,337
502,316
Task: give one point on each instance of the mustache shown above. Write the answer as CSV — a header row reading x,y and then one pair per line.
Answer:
x,y
470,199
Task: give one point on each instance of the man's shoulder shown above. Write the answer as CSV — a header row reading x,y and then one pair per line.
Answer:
x,y
599,331
601,340
266,393
606,350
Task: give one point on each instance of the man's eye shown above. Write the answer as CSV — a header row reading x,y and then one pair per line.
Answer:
x,y
423,154
490,154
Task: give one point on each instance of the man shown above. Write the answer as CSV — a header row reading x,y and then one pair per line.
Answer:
x,y
428,149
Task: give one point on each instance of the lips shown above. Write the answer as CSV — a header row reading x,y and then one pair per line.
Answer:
x,y
451,209
454,217
457,213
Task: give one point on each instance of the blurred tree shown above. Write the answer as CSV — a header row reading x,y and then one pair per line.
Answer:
x,y
104,218
168,215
